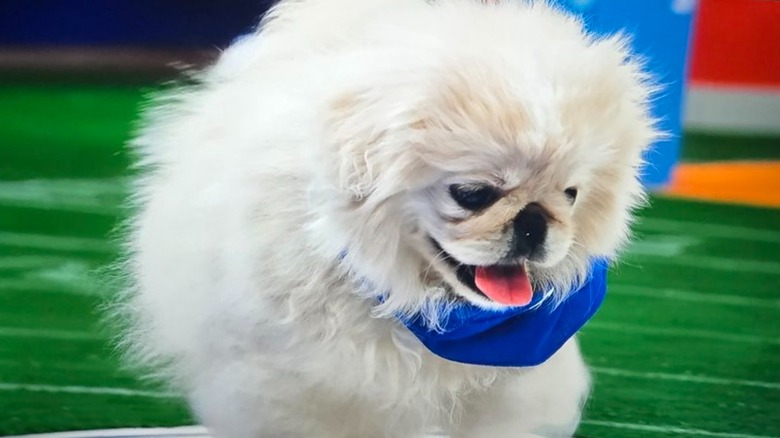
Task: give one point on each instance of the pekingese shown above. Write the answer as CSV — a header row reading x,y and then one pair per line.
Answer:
x,y
343,184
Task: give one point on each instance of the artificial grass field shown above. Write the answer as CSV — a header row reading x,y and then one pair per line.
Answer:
x,y
687,344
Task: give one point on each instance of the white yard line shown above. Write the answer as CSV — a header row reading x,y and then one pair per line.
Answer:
x,y
55,243
692,296
663,245
670,430
720,264
98,196
65,205
679,332
28,262
50,286
684,378
87,390
170,432
717,231
200,431
65,335
50,274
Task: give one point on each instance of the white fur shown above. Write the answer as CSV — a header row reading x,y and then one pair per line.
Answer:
x,y
338,126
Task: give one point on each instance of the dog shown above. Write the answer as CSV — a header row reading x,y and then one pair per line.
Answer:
x,y
354,165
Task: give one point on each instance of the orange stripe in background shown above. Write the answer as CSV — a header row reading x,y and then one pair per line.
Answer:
x,y
752,183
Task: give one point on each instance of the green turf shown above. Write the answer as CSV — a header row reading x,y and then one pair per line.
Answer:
x,y
702,146
687,344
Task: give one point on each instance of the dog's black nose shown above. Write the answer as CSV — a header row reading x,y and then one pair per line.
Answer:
x,y
530,231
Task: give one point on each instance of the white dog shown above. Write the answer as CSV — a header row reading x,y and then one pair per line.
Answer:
x,y
359,163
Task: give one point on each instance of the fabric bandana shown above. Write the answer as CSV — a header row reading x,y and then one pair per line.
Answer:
x,y
521,336
518,336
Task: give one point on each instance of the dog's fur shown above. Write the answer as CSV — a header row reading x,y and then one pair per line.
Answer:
x,y
307,173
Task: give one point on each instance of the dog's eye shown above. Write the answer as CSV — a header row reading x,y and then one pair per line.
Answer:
x,y
474,197
571,193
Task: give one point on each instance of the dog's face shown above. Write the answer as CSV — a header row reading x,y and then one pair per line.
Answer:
x,y
502,173
532,183
494,223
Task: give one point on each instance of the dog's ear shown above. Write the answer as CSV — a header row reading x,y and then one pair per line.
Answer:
x,y
373,144
350,139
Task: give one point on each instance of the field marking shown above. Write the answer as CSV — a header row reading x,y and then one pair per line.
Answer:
x,y
65,335
684,378
86,289
670,429
662,245
150,432
50,273
711,263
62,368
59,274
100,196
692,296
89,390
28,262
677,332
709,230
56,243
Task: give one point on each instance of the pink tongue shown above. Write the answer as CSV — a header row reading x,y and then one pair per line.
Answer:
x,y
507,285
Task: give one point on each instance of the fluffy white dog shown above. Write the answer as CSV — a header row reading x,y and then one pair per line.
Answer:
x,y
357,162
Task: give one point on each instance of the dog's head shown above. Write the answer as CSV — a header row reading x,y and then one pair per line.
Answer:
x,y
490,166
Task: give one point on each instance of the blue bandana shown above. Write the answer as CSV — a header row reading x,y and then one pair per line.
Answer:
x,y
518,336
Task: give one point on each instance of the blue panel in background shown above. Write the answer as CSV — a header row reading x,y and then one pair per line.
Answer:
x,y
661,32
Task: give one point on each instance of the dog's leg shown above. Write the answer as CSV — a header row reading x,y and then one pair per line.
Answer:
x,y
231,400
545,401
239,399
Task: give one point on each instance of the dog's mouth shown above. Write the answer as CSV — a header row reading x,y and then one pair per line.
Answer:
x,y
506,284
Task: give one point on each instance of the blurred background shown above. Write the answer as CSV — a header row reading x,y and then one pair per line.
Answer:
x,y
688,343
